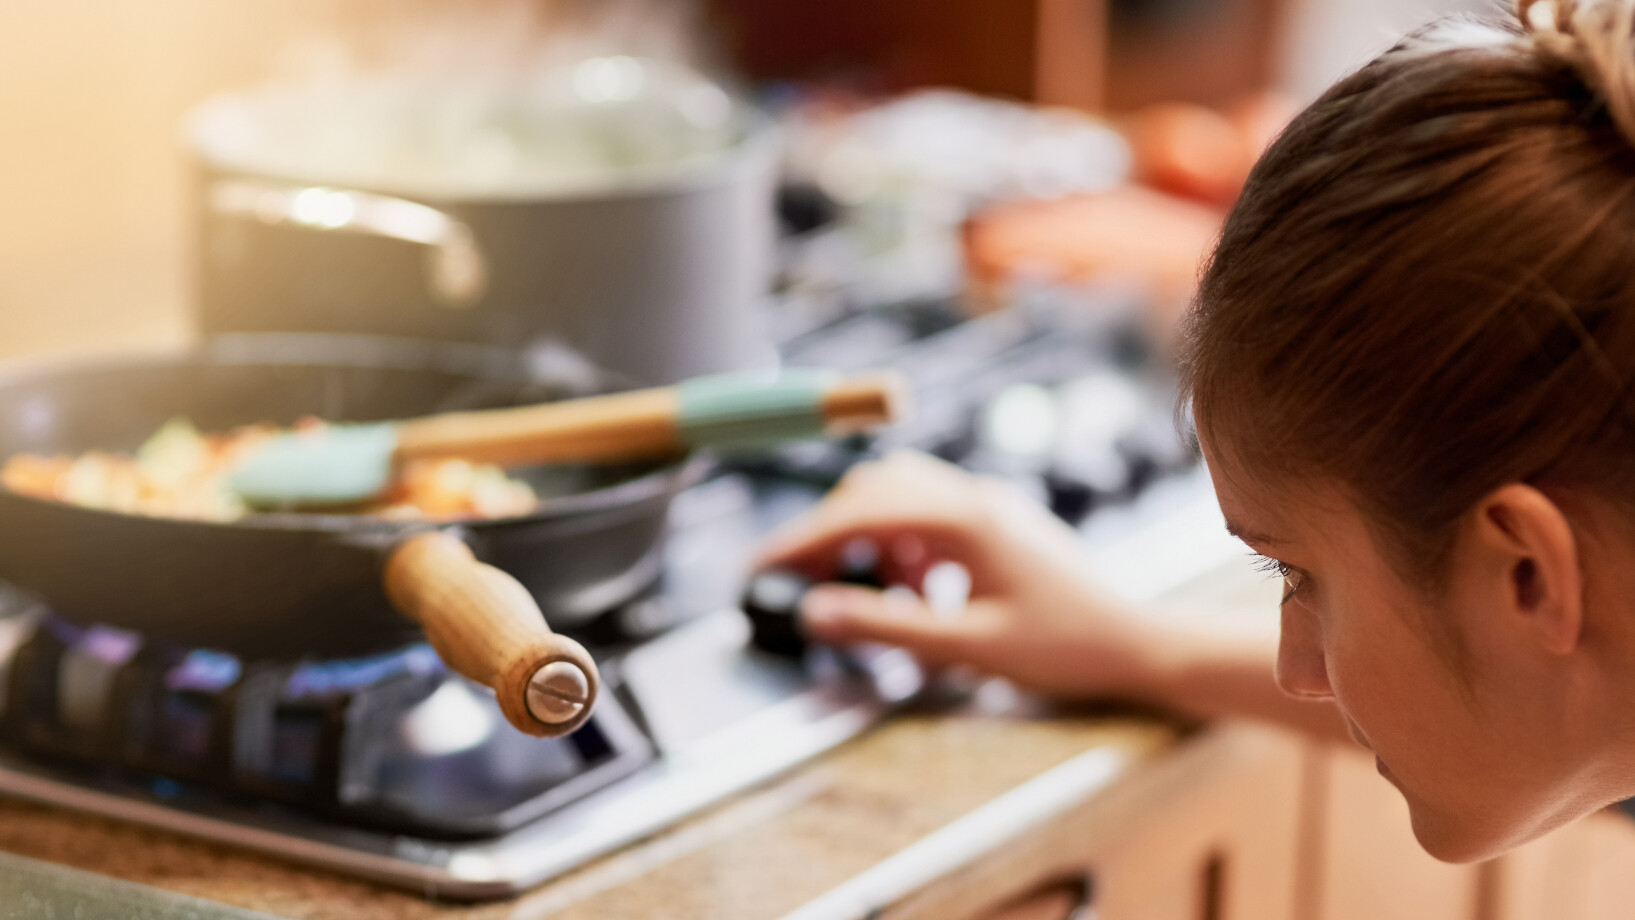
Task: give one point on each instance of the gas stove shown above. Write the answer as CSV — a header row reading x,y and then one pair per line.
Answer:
x,y
392,768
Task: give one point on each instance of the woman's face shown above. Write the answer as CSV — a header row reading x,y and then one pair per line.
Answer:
x,y
1484,758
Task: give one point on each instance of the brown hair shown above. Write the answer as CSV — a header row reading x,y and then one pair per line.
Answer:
x,y
1427,288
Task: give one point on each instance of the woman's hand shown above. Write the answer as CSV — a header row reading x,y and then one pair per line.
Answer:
x,y
1032,616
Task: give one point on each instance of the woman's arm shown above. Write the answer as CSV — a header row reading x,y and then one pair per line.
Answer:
x,y
1208,676
1033,616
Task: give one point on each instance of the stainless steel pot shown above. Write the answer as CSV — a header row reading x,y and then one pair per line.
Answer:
x,y
657,271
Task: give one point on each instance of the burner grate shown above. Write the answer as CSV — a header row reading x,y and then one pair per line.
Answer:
x,y
393,741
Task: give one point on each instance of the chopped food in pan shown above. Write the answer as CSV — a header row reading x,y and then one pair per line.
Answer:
x,y
179,472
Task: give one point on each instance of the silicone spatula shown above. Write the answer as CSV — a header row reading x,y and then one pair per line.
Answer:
x,y
350,463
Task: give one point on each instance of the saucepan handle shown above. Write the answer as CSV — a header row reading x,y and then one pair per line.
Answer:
x,y
485,625
456,272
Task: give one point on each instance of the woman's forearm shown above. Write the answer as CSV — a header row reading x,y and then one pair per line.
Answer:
x,y
1210,676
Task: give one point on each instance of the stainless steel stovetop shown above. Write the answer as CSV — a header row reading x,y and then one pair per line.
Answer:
x,y
743,720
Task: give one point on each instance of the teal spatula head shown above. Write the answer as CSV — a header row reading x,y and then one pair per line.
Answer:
x,y
333,465
751,410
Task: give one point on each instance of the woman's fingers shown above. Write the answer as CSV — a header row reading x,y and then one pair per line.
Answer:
x,y
905,495
903,551
836,614
817,535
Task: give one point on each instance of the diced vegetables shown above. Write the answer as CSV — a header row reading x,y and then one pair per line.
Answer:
x,y
179,472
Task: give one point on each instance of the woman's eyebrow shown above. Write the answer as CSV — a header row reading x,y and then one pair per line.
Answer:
x,y
1250,536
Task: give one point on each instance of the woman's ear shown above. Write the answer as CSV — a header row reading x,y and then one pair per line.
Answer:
x,y
1529,557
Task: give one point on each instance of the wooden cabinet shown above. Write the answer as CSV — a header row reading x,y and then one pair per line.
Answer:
x,y
1365,863
1093,54
1042,50
1221,846
1208,832
1585,871
1248,823
1609,867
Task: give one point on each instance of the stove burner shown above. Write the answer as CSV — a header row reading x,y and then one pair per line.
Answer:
x,y
394,740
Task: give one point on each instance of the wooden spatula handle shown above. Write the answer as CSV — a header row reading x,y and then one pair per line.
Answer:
x,y
637,424
855,403
485,625
729,410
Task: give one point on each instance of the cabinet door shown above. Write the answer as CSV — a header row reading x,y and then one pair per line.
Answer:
x,y
1609,889
1221,848
1584,871
1206,831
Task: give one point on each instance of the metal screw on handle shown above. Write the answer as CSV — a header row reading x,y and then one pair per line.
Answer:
x,y
558,692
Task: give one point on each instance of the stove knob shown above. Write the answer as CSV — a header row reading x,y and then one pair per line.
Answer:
x,y
772,597
772,603
859,564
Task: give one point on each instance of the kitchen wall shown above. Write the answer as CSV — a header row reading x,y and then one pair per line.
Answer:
x,y
1326,39
92,215
93,218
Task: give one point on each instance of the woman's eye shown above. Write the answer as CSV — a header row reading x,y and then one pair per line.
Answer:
x,y
1273,566
1292,577
1292,581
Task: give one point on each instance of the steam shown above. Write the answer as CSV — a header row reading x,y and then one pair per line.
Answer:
x,y
502,41
488,97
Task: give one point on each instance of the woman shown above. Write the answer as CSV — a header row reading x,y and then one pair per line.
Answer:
x,y
1409,363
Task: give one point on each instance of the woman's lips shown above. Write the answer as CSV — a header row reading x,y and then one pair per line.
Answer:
x,y
1385,771
1362,739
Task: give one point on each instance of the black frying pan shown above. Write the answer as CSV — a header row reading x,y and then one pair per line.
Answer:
x,y
293,585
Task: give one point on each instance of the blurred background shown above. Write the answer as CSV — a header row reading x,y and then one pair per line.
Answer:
x,y
98,217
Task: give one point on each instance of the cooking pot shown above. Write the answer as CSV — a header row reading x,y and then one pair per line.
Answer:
x,y
315,585
378,208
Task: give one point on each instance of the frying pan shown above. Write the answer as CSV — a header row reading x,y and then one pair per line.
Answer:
x,y
328,585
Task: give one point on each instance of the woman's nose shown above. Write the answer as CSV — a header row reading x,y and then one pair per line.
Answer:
x,y
1301,670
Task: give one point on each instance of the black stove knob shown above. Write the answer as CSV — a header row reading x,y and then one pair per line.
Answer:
x,y
772,597
859,564
772,603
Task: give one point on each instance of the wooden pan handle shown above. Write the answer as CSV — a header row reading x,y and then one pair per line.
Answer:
x,y
485,625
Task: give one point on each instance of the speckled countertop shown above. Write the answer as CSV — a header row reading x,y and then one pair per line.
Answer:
x,y
755,857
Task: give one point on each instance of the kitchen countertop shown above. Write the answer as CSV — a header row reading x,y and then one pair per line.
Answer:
x,y
756,857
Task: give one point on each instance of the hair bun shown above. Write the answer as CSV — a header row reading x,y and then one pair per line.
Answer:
x,y
1597,39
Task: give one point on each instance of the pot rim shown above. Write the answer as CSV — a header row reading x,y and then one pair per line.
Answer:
x,y
207,126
